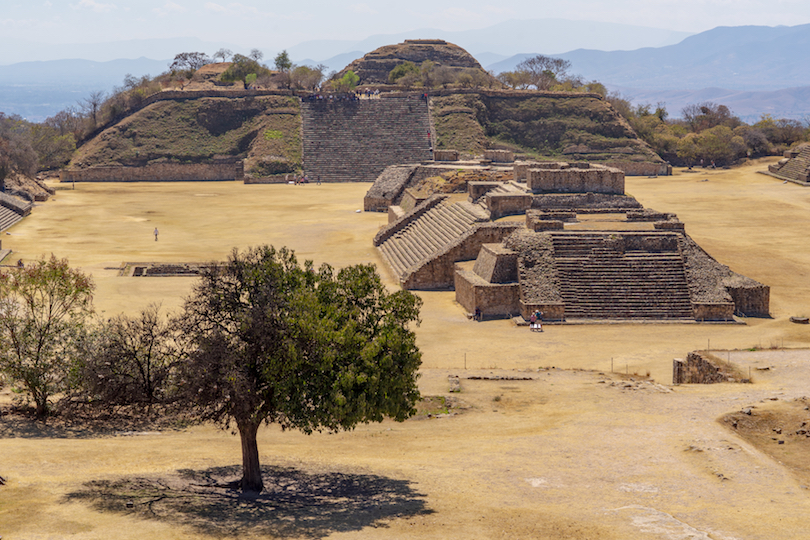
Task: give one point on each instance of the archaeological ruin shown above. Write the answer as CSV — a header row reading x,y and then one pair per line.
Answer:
x,y
794,166
194,132
560,238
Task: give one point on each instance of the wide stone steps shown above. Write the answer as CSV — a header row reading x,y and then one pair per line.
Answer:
x,y
8,218
599,283
797,168
428,235
355,140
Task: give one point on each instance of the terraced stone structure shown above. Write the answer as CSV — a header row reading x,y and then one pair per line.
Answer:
x,y
12,210
586,256
794,167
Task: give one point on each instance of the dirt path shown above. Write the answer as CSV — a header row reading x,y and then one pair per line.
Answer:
x,y
568,454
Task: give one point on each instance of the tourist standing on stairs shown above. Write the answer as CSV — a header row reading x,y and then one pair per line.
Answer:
x,y
156,234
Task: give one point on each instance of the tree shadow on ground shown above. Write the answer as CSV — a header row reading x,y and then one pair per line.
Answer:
x,y
86,422
295,503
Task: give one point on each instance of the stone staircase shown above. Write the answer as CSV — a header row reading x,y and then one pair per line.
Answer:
x,y
598,282
8,217
506,188
354,141
798,167
428,234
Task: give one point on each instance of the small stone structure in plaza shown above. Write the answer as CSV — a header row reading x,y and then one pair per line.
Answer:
x,y
794,167
704,368
560,238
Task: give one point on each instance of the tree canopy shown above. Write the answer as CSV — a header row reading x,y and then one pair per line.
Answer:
x,y
43,308
189,61
242,66
541,72
273,341
16,152
283,62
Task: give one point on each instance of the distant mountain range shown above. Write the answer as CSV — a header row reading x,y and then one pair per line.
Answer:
x,y
751,69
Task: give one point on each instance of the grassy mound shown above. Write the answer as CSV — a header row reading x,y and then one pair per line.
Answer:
x,y
570,127
264,131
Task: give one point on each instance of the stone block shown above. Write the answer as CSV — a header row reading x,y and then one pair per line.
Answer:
x,y
508,204
499,156
477,189
395,213
751,300
592,180
493,299
496,264
669,226
445,155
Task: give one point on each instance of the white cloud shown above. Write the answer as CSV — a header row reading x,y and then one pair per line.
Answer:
x,y
363,9
168,8
216,8
92,5
48,4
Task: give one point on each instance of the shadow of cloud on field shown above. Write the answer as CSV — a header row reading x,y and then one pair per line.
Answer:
x,y
295,503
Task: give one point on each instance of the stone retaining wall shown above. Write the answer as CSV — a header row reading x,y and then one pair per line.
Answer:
x,y
552,311
713,311
521,168
158,172
569,180
751,300
508,204
702,369
493,299
585,202
499,156
445,155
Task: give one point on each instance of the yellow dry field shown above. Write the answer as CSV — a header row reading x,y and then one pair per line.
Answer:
x,y
546,442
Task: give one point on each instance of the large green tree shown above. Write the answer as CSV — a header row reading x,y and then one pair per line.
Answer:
x,y
273,341
43,308
16,153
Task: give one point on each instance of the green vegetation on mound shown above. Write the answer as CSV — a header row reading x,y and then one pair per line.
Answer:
x,y
264,131
539,125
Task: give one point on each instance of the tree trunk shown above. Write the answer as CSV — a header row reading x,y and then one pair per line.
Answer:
x,y
251,470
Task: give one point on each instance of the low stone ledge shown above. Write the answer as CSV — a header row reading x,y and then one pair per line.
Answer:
x,y
499,156
445,155
713,311
669,226
552,311
545,225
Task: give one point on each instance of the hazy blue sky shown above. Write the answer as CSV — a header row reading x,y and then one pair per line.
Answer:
x,y
267,24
